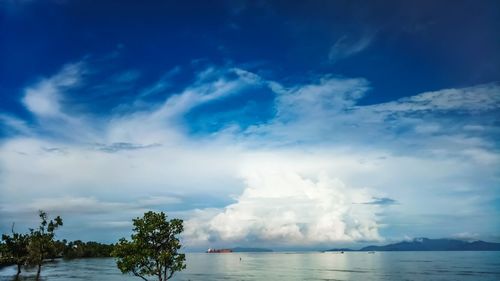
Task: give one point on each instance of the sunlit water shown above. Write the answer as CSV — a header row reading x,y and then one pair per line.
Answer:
x,y
296,266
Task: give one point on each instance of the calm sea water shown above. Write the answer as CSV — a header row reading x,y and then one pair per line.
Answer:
x,y
398,266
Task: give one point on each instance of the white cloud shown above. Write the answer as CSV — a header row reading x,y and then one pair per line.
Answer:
x,y
474,128
83,169
474,99
159,201
15,124
328,111
427,128
211,85
285,208
330,94
466,236
44,98
346,46
68,205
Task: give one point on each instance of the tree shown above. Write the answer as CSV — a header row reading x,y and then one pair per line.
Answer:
x,y
15,249
78,249
3,251
58,249
41,241
153,249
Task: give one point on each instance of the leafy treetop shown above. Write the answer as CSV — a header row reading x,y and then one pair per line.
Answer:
x,y
153,250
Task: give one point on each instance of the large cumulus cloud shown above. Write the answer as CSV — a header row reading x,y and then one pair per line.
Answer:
x,y
286,208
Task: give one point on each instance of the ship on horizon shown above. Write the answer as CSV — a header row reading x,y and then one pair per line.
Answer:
x,y
219,251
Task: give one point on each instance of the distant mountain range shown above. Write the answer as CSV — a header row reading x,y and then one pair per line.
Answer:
x,y
426,244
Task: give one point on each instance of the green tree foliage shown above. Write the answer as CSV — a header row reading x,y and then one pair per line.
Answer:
x,y
15,249
3,251
78,249
58,249
153,250
41,241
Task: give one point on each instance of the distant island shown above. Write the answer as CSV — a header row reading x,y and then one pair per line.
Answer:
x,y
426,244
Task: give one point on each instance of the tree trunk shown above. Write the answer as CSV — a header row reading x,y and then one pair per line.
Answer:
x,y
18,271
38,272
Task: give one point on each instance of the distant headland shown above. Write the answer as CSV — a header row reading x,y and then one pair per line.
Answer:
x,y
426,244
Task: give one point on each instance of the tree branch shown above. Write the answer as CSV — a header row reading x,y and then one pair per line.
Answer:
x,y
138,275
171,274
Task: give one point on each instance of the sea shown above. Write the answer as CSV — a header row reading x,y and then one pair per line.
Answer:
x,y
362,266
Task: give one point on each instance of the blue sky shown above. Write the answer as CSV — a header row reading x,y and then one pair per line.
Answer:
x,y
272,123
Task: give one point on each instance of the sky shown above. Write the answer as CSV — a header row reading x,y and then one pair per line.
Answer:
x,y
282,124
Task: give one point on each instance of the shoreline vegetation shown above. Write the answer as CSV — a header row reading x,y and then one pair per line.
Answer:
x,y
71,250
152,250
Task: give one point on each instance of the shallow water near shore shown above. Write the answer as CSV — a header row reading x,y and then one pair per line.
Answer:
x,y
295,266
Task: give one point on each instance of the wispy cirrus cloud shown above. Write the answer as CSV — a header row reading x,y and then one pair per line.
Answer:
x,y
475,99
348,45
89,205
14,125
119,146
44,98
